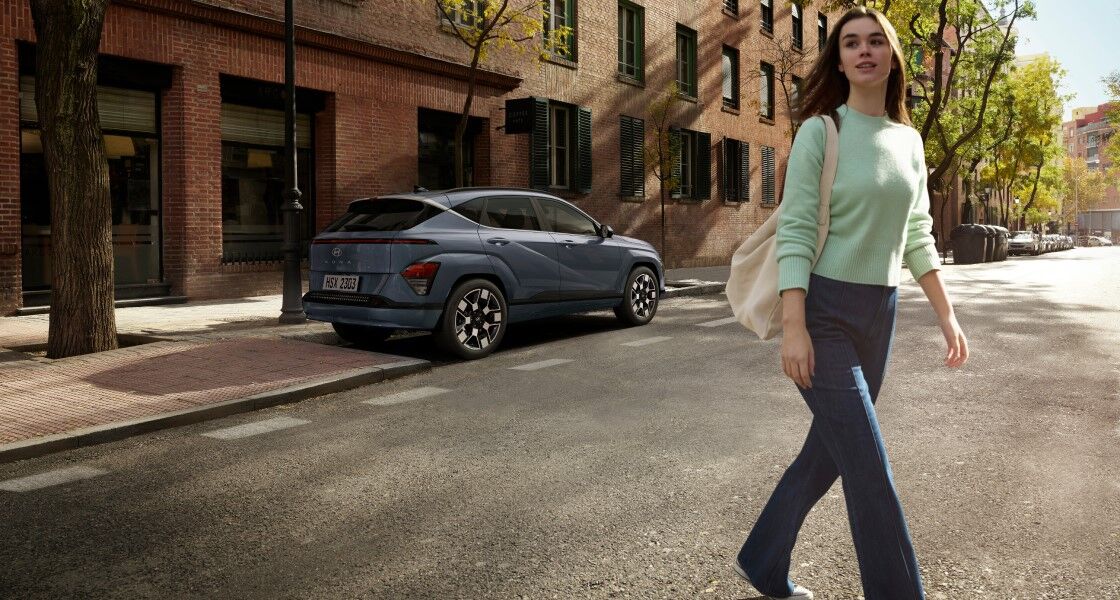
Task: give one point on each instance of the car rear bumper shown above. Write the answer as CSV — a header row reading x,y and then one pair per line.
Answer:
x,y
364,309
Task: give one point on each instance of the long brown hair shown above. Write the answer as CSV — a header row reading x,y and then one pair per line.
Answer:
x,y
826,88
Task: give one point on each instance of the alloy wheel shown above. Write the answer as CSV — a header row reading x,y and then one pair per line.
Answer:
x,y
643,295
478,319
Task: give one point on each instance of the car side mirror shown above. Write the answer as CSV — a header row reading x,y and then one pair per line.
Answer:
x,y
605,231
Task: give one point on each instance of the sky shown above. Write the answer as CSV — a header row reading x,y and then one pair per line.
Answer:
x,y
1082,35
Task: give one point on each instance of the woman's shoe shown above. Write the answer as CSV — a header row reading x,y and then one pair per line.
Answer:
x,y
799,593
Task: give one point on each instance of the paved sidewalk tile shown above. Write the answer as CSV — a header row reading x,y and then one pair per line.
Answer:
x,y
48,398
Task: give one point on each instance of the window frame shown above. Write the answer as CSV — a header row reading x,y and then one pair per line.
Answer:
x,y
555,109
692,161
687,66
549,19
796,22
459,15
731,6
636,12
735,165
822,31
766,91
732,54
766,15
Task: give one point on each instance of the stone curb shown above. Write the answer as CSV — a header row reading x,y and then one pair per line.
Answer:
x,y
699,289
123,429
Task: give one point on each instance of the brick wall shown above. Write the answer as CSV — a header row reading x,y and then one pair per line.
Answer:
x,y
366,135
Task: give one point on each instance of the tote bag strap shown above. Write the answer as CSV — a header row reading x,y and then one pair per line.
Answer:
x,y
828,176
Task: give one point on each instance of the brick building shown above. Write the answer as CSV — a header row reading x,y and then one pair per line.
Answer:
x,y
190,107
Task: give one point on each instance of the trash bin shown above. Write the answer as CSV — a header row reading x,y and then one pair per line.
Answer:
x,y
990,243
1001,242
969,243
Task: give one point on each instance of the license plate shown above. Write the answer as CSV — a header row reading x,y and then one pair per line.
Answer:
x,y
340,283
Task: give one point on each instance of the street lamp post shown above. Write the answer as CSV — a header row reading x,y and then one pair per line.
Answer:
x,y
291,310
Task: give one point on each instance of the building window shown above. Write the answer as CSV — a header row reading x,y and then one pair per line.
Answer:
x,y
130,134
692,164
436,148
766,90
557,15
632,151
469,14
732,6
560,146
730,77
822,31
736,170
795,17
767,13
631,22
686,61
796,85
253,181
768,196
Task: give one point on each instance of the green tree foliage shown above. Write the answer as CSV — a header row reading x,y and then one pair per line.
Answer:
x,y
1084,188
484,26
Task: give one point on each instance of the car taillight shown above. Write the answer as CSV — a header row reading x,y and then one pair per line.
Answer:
x,y
420,276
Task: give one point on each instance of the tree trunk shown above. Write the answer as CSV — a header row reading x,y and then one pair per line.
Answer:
x,y
664,250
81,316
464,119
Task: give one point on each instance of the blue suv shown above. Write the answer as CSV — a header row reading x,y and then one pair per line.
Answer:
x,y
465,263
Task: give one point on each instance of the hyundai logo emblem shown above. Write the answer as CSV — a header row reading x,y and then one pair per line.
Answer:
x,y
336,252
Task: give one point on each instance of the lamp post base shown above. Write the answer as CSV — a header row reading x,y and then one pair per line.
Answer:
x,y
294,317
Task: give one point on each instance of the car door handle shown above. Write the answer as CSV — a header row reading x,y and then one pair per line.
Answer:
x,y
497,241
568,243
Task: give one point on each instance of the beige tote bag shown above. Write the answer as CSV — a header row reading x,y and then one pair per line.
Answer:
x,y
752,288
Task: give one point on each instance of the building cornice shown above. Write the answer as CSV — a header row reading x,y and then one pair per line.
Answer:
x,y
200,12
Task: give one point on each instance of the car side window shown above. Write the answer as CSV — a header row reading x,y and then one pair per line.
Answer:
x,y
471,209
511,212
562,218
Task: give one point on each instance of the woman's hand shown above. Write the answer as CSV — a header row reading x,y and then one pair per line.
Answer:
x,y
797,356
957,352
934,288
797,347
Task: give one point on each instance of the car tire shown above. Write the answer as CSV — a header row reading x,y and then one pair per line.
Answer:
x,y
474,320
639,297
362,335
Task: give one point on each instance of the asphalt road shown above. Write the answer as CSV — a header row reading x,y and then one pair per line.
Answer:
x,y
628,471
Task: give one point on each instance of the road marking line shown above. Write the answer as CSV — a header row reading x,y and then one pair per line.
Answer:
x,y
544,364
406,396
250,429
56,477
646,341
719,322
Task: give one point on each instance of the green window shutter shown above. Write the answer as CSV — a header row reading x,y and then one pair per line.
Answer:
x,y
631,157
538,151
583,150
675,148
744,171
702,186
768,175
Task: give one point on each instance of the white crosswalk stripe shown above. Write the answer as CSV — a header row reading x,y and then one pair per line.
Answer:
x,y
544,364
257,428
406,396
647,341
719,322
50,478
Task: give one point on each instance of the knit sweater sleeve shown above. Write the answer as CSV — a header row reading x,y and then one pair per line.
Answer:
x,y
920,249
797,223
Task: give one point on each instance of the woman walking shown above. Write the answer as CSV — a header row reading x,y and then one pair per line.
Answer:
x,y
838,314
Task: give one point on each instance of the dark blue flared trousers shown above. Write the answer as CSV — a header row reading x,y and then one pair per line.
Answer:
x,y
852,327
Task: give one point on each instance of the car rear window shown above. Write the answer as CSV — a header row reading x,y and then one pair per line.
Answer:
x,y
384,214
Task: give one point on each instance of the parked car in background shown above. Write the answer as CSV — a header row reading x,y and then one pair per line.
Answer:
x,y
1024,242
1096,240
466,263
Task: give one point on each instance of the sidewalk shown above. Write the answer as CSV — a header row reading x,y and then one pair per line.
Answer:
x,y
190,362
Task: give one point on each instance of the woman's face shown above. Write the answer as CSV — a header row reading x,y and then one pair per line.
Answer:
x,y
865,53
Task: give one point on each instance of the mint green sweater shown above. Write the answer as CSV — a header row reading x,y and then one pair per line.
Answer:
x,y
880,206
